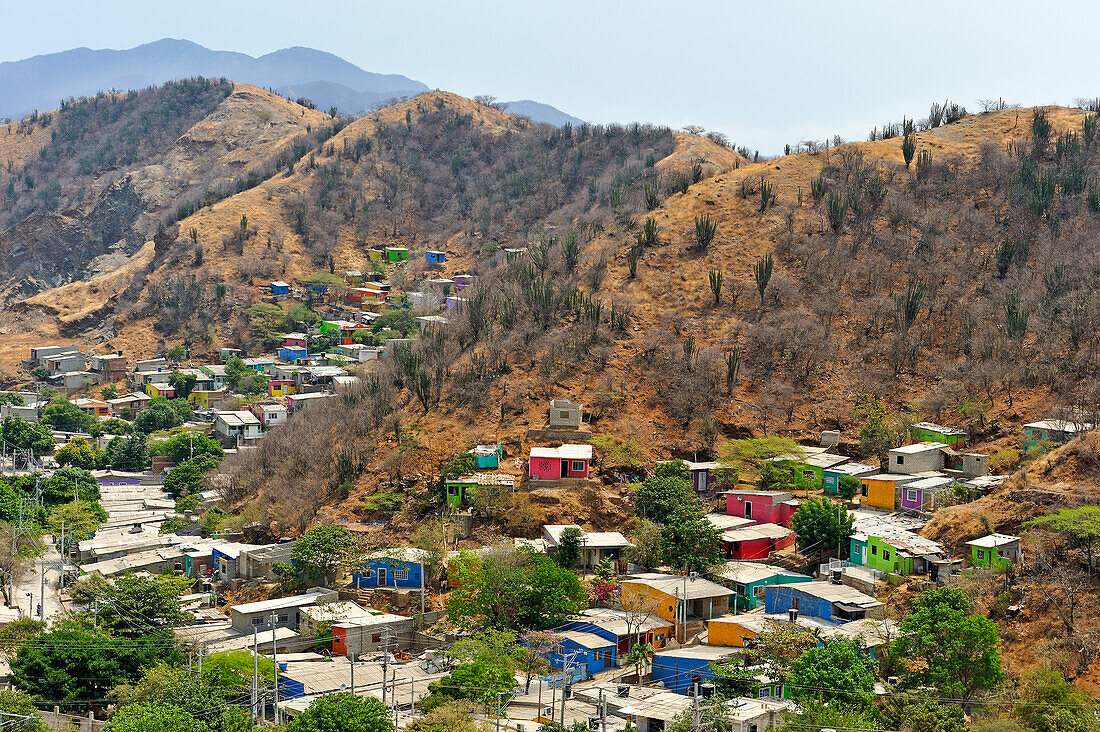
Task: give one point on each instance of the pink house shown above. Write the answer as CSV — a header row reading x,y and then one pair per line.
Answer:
x,y
295,340
567,461
766,507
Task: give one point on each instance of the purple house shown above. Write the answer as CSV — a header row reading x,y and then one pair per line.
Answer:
x,y
920,495
462,281
704,476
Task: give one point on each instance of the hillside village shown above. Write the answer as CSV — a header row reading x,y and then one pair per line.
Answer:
x,y
804,543
441,419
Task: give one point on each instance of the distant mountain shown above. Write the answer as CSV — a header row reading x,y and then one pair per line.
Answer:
x,y
540,112
41,82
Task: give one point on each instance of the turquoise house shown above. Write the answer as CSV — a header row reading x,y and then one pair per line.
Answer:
x,y
749,579
487,456
831,476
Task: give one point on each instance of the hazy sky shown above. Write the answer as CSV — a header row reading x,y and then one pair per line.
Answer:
x,y
765,73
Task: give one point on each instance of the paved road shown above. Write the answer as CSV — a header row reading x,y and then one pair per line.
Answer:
x,y
30,583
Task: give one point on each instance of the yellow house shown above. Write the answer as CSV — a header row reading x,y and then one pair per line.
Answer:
x,y
156,390
880,490
735,630
205,399
661,595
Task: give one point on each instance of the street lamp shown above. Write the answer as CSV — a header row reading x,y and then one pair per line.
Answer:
x,y
684,606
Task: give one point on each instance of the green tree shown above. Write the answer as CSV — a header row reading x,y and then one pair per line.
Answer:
x,y
182,383
16,633
115,426
231,671
848,486
944,646
479,680
134,605
159,415
199,696
67,484
65,416
27,436
514,589
927,715
79,454
321,552
190,444
659,496
155,718
1080,525
109,392
16,702
184,479
815,715
79,519
568,552
754,453
821,525
1049,704
73,662
127,454
343,713
177,353
838,670
690,540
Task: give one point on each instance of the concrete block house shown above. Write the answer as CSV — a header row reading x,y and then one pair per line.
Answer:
x,y
404,568
775,507
554,463
919,457
564,414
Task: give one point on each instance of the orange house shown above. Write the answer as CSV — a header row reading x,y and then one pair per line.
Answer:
x,y
880,491
662,595
735,630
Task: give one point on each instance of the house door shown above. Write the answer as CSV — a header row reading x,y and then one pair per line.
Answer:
x,y
381,576
748,509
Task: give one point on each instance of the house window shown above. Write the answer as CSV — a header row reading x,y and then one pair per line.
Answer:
x,y
874,550
376,638
256,622
794,603
981,554
885,555
901,459
284,618
563,415
737,546
808,475
401,574
910,495
578,466
765,692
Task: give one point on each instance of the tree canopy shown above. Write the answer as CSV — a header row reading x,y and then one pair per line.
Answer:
x,y
838,670
65,416
321,551
27,436
343,713
822,526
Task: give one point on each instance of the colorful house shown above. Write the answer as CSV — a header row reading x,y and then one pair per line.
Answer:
x,y
663,595
830,477
206,398
1057,431
316,287
486,456
353,277
462,281
758,541
162,390
834,603
582,648
281,387
996,551
622,627
903,553
554,463
920,495
595,545
675,668
280,290
343,329
880,490
749,580
94,407
776,507
433,256
462,491
270,415
396,254
931,432
394,568
292,354
812,467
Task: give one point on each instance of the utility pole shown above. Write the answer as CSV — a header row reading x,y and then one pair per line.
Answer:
x,y
202,652
387,634
352,674
275,664
603,712
393,693
255,674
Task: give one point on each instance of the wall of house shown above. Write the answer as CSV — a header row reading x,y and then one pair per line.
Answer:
x,y
880,493
755,548
763,510
857,552
884,557
675,673
919,434
917,462
545,468
369,578
917,502
597,659
639,595
777,599
726,632
570,472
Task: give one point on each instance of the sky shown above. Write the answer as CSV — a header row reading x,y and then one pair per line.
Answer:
x,y
764,73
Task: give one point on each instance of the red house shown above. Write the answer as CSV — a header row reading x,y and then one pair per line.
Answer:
x,y
776,507
755,542
295,340
567,461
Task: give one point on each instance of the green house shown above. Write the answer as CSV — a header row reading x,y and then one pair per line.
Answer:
x,y
902,552
810,469
749,579
830,477
396,254
931,432
461,491
995,551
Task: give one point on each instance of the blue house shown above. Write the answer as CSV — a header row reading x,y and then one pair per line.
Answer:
x,y
317,288
751,578
433,257
580,647
292,354
393,568
675,668
486,456
834,603
280,290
